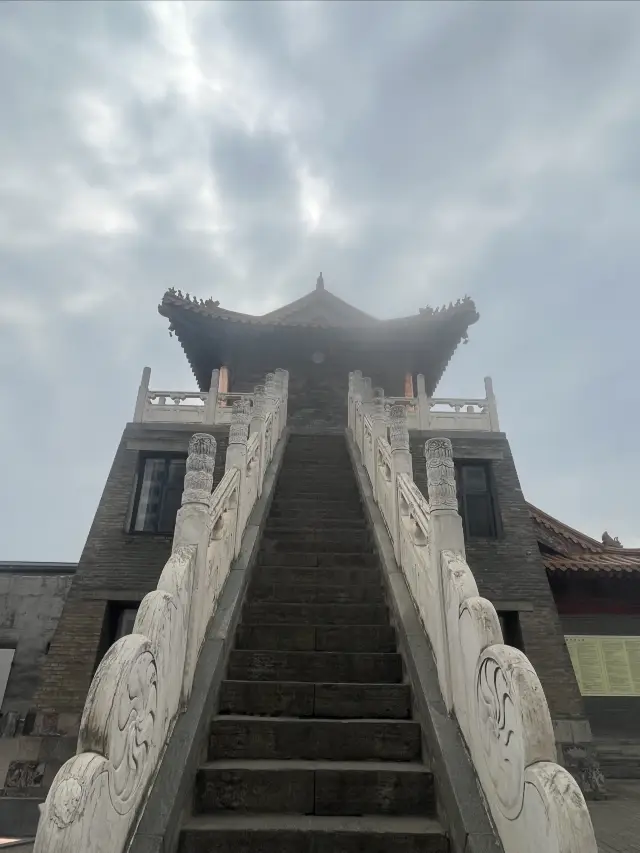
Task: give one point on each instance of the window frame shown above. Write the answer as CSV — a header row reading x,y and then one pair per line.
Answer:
x,y
487,466
143,457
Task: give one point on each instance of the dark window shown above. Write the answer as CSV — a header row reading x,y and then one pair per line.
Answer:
x,y
119,618
475,499
125,620
158,494
511,631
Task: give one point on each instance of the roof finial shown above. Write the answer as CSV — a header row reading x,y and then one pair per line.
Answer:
x,y
320,283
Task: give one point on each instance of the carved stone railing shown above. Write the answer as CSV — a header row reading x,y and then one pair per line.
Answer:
x,y
145,679
490,688
441,413
186,407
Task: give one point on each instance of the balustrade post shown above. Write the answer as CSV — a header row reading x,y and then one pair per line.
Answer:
x,y
379,423
424,410
271,391
211,406
367,393
258,417
141,399
446,535
401,464
282,379
492,405
357,397
350,395
237,458
193,527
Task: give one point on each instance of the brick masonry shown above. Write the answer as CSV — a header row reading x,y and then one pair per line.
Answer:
x,y
115,565
510,573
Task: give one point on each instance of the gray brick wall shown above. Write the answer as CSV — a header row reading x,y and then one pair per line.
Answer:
x,y
509,568
115,565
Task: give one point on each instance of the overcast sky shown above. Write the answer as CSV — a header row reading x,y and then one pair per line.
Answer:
x,y
414,152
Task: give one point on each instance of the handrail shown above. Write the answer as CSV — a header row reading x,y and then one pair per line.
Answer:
x,y
145,679
429,413
491,689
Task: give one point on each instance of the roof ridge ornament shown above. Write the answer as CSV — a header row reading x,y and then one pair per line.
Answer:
x,y
320,282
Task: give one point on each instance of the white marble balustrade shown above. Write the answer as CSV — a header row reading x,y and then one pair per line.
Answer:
x,y
145,679
443,413
186,407
490,688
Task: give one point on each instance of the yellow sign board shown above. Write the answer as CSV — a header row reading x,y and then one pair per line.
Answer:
x,y
606,666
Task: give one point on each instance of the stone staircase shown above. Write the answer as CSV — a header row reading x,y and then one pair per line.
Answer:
x,y
314,749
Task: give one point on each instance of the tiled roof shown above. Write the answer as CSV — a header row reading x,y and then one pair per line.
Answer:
x,y
572,537
202,327
611,560
286,316
582,553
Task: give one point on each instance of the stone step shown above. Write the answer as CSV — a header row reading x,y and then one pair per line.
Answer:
x,y
336,740
313,513
367,576
316,787
272,613
336,667
321,638
321,559
311,499
329,701
271,833
302,479
302,484
306,593
346,497
320,541
303,525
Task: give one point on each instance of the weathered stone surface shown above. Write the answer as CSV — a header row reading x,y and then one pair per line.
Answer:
x,y
316,593
298,638
363,667
405,790
319,544
367,575
250,787
355,638
344,701
315,614
312,834
346,740
263,698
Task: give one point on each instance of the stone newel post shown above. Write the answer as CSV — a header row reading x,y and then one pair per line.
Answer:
x,y
443,496
401,462
211,406
446,533
193,527
492,405
282,378
379,421
423,403
237,458
198,484
141,400
271,392
357,398
258,416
